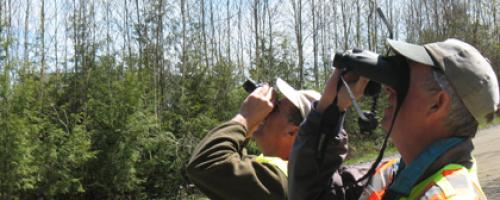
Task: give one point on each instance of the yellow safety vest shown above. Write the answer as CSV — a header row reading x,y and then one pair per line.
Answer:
x,y
276,161
453,181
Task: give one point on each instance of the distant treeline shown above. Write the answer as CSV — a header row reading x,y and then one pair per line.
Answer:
x,y
107,99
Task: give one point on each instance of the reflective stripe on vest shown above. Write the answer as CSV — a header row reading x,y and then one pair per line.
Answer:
x,y
451,182
276,161
454,182
381,179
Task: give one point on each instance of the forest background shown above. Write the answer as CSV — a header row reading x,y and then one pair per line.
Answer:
x,y
105,99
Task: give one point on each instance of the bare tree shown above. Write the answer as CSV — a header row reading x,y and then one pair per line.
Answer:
x,y
26,40
270,21
255,9
1,19
358,24
315,43
204,32
240,42
297,13
228,33
371,25
141,36
325,38
184,56
496,23
42,40
212,39
56,30
108,24
127,30
346,22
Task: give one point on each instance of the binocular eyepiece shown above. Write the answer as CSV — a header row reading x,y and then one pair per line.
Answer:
x,y
392,71
250,86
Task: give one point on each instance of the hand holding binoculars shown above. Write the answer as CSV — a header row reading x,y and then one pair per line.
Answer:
x,y
391,71
388,70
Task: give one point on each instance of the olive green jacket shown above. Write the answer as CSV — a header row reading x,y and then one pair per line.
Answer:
x,y
221,168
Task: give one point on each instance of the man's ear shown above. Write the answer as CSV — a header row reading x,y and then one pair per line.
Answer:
x,y
440,105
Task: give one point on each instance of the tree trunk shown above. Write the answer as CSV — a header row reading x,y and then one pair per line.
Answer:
x,y
127,32
346,21
108,36
220,31
240,43
42,38
358,24
139,65
184,56
496,23
228,38
369,25
271,39
56,40
297,12
315,43
204,32
325,43
26,30
256,27
212,23
1,19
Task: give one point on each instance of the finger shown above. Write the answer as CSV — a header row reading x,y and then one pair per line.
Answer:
x,y
334,79
362,82
351,77
262,91
269,94
336,74
360,86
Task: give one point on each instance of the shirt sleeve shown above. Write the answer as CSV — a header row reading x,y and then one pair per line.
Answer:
x,y
315,163
221,169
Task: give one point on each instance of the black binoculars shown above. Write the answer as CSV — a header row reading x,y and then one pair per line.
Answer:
x,y
250,86
392,71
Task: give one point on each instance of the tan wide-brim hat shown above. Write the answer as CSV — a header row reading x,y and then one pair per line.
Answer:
x,y
302,99
469,73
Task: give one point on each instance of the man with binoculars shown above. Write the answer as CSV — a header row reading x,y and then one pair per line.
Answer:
x,y
438,94
220,165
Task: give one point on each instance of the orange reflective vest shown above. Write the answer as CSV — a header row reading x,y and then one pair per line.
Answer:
x,y
451,182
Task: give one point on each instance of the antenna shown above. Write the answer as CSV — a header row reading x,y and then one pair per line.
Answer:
x,y
387,24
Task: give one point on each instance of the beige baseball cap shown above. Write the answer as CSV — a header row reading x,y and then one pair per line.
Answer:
x,y
469,73
302,99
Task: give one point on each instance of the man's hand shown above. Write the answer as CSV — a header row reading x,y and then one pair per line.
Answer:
x,y
255,108
356,83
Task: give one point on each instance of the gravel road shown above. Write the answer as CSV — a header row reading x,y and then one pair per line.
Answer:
x,y
487,154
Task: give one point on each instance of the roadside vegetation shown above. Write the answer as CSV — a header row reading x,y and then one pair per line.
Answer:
x,y
107,99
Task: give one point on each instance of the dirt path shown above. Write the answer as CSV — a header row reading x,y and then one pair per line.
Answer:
x,y
487,154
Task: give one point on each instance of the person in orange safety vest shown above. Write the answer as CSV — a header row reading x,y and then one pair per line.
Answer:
x,y
451,89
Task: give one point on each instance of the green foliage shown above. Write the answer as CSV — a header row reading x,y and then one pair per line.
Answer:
x,y
122,124
18,169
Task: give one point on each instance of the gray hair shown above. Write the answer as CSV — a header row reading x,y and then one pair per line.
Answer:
x,y
459,120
